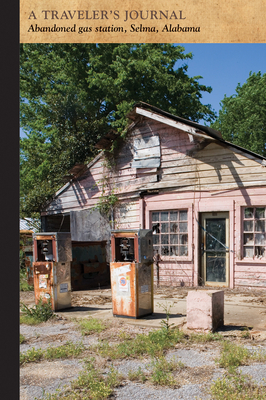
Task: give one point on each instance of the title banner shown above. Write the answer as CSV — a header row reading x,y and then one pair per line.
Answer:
x,y
206,21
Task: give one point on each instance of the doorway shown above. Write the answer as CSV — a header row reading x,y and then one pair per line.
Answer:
x,y
214,229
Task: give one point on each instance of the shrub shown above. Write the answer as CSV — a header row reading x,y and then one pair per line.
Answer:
x,y
41,312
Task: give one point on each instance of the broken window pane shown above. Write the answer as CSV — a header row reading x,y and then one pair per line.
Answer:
x,y
156,228
249,212
183,215
248,238
167,227
156,250
174,251
260,213
259,251
173,227
173,216
248,226
216,267
165,251
173,239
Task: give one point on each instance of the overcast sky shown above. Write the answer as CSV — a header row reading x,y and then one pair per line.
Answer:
x,y
223,66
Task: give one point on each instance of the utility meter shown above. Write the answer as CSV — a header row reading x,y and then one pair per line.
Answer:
x,y
132,272
52,256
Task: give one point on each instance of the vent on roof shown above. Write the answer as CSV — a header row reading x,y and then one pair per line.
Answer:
x,y
147,152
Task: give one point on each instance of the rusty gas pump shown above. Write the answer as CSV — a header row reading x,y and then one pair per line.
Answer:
x,y
52,256
132,272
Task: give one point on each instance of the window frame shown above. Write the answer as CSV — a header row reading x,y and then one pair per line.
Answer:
x,y
189,232
253,232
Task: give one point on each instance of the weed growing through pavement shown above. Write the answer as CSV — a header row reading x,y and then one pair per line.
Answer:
x,y
162,371
152,344
138,375
245,333
233,355
235,386
41,312
90,385
21,338
165,323
67,350
90,326
205,337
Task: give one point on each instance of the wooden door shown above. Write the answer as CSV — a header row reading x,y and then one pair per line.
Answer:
x,y
215,249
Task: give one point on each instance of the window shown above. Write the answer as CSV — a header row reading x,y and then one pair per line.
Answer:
x,y
170,233
254,237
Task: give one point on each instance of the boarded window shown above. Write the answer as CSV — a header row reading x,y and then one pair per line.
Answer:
x,y
147,152
254,236
170,233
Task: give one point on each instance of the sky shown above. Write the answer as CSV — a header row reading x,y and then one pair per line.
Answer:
x,y
222,67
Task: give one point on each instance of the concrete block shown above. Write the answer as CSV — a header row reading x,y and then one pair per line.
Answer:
x,y
205,310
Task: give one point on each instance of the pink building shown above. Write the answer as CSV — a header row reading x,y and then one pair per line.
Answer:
x,y
204,198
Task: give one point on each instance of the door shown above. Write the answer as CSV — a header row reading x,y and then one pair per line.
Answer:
x,y
215,248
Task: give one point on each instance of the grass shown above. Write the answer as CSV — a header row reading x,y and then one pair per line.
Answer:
x,y
233,355
67,350
41,312
22,338
205,337
235,386
90,385
152,344
162,372
138,375
90,326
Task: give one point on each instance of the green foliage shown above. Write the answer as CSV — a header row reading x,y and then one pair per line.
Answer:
x,y
91,325
205,337
32,355
242,119
72,94
21,338
165,323
235,386
233,355
24,286
41,312
90,385
162,371
67,350
152,344
138,375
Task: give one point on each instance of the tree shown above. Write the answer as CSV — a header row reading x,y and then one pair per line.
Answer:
x,y
242,119
72,94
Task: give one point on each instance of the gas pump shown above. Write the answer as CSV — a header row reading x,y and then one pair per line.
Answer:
x,y
132,272
52,256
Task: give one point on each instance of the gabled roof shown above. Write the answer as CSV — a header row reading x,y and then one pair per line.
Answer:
x,y
149,111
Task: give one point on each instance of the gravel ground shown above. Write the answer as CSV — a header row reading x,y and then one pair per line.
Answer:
x,y
193,380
